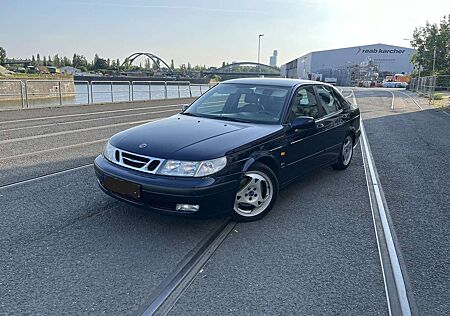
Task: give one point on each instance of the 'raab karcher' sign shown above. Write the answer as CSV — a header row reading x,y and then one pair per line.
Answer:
x,y
380,51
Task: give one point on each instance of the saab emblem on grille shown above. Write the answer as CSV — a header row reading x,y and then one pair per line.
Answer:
x,y
143,145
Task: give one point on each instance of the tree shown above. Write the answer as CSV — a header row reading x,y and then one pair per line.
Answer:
x,y
172,65
425,40
49,61
223,64
44,62
79,61
56,61
2,55
38,59
100,63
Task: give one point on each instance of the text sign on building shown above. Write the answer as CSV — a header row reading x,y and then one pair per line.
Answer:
x,y
380,51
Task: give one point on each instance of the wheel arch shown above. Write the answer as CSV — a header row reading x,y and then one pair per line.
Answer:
x,y
265,158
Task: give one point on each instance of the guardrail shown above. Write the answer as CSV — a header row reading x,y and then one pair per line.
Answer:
x,y
24,92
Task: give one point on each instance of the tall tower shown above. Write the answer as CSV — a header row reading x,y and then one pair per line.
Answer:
x,y
273,59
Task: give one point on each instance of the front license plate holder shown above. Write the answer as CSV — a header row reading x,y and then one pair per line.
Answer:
x,y
123,187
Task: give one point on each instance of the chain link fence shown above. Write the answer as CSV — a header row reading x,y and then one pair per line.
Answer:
x,y
432,87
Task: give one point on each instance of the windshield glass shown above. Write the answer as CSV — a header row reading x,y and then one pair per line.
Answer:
x,y
241,102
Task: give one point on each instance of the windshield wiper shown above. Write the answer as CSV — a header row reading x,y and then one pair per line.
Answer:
x,y
191,114
227,118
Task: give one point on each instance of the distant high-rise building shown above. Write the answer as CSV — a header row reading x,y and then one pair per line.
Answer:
x,y
273,59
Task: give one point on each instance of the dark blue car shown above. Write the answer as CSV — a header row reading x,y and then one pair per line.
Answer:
x,y
232,149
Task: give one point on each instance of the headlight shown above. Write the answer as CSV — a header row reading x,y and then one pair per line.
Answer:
x,y
109,152
193,168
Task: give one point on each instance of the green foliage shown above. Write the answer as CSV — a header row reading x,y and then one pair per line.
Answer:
x,y
100,63
438,96
425,39
2,55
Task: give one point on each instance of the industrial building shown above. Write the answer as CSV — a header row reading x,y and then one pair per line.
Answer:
x,y
348,66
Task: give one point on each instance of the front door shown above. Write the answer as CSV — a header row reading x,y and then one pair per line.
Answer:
x,y
304,146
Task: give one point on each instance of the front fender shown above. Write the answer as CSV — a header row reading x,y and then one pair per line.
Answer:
x,y
265,157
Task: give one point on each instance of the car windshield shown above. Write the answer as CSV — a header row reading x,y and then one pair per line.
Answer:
x,y
242,103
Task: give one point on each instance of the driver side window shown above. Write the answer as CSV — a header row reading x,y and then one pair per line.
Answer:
x,y
304,103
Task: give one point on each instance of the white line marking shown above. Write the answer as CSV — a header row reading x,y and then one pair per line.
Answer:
x,y
86,120
398,276
44,177
393,100
92,113
7,141
446,113
418,105
354,98
54,149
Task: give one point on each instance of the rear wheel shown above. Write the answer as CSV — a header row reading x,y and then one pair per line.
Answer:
x,y
346,154
257,193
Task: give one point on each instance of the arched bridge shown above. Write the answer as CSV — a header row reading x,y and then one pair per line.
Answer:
x,y
155,59
245,68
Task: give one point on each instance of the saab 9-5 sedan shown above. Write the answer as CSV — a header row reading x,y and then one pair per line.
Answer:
x,y
232,149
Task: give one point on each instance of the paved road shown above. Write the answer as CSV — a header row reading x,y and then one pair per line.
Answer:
x,y
66,248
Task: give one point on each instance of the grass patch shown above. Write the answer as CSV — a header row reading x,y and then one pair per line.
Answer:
x,y
438,96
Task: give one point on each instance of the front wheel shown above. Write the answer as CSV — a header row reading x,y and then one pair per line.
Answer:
x,y
346,154
257,193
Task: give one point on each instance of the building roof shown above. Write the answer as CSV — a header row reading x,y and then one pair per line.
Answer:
x,y
283,82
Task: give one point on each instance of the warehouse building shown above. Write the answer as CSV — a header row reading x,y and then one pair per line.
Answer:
x,y
346,66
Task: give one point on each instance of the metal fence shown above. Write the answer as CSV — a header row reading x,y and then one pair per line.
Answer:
x,y
429,86
28,93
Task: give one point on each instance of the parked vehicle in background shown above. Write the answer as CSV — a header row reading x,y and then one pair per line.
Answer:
x,y
331,80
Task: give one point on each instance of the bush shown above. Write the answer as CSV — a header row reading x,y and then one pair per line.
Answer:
x,y
438,96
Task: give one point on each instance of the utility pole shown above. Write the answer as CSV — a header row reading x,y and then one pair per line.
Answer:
x,y
259,49
433,76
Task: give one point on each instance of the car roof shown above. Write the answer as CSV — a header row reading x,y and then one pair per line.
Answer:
x,y
283,82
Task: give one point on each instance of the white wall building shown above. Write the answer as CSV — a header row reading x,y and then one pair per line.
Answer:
x,y
337,62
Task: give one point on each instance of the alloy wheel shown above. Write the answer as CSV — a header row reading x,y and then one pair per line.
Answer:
x,y
254,195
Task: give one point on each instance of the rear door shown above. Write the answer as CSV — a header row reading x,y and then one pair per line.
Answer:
x,y
331,123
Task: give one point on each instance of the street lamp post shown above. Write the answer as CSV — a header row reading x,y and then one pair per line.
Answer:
x,y
259,49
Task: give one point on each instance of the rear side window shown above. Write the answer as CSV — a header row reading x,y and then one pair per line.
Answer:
x,y
340,98
327,99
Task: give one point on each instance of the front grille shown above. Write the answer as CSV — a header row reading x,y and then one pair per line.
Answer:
x,y
136,161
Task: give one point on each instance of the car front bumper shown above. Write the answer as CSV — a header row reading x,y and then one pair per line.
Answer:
x,y
214,195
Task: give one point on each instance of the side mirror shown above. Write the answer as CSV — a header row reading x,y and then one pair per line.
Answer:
x,y
303,123
184,107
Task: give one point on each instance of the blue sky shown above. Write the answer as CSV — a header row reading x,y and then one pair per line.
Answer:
x,y
207,32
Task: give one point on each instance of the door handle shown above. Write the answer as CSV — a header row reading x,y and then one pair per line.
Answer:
x,y
320,125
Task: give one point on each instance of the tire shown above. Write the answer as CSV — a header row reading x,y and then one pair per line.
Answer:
x,y
256,195
345,154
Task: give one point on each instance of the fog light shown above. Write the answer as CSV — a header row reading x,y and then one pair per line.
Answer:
x,y
187,207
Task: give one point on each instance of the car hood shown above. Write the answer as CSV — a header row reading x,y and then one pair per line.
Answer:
x,y
190,138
